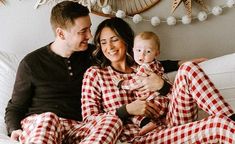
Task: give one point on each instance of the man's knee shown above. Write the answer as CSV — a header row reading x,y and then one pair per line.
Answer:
x,y
186,65
49,117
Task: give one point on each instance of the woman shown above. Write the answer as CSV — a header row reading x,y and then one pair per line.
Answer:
x,y
100,96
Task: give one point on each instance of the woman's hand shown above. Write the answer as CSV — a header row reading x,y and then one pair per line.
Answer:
x,y
143,107
137,107
152,82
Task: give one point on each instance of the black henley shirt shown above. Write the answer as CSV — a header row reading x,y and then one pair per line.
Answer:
x,y
46,82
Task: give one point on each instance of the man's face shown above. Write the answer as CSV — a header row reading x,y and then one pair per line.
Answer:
x,y
77,36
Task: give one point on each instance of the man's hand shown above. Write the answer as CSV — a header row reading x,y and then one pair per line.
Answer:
x,y
15,135
196,60
147,128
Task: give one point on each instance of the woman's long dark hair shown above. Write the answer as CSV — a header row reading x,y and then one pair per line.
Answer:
x,y
123,31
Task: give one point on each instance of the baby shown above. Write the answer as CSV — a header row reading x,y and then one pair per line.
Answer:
x,y
146,49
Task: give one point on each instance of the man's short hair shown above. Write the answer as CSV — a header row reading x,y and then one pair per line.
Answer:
x,y
64,13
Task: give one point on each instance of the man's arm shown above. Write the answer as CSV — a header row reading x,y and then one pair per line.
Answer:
x,y
173,65
21,98
170,65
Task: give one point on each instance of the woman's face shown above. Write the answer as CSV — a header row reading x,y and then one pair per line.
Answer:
x,y
113,47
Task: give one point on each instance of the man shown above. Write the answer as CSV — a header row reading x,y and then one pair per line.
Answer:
x,y
45,106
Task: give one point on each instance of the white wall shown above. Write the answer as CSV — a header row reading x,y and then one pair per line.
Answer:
x,y
23,29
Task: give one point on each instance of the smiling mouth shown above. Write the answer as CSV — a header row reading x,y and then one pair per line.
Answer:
x,y
85,42
113,52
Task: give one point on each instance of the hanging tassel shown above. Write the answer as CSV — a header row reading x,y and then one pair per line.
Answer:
x,y
188,6
202,4
176,3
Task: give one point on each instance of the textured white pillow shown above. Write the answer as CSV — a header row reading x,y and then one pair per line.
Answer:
x,y
221,71
8,67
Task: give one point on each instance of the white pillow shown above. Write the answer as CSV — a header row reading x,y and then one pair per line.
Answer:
x,y
221,71
8,67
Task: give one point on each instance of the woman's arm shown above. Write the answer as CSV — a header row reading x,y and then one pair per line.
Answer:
x,y
95,103
91,96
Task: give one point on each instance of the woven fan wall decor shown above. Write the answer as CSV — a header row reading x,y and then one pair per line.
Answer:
x,y
2,1
131,7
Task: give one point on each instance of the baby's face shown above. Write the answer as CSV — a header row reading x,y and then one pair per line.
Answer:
x,y
145,51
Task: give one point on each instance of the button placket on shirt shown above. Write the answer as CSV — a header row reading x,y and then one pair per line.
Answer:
x,y
69,67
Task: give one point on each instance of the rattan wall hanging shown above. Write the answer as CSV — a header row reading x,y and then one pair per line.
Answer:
x,y
2,1
131,7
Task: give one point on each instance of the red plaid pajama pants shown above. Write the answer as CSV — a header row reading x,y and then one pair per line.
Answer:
x,y
48,128
191,88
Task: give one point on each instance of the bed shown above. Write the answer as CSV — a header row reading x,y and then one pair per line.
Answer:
x,y
221,70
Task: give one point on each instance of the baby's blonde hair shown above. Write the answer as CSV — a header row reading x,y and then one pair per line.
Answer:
x,y
147,35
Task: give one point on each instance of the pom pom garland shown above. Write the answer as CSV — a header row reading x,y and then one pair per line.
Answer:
x,y
230,3
107,9
217,10
186,19
155,20
137,18
120,14
93,2
202,16
171,21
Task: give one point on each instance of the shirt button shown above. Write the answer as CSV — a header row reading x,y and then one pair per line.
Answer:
x,y
68,61
69,67
71,74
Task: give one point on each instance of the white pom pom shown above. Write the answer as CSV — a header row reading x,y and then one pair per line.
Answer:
x,y
230,3
217,10
186,19
202,16
93,2
107,9
171,20
120,14
155,21
137,18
